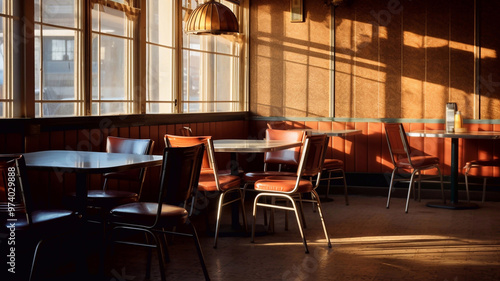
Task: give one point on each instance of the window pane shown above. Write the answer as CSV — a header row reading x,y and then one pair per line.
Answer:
x,y
160,74
59,109
160,108
60,12
194,81
113,68
108,108
58,64
160,22
224,69
224,46
113,22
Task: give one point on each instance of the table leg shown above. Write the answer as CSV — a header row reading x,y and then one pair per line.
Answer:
x,y
235,211
81,194
454,204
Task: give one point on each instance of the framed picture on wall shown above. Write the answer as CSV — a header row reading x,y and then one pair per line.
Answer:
x,y
296,10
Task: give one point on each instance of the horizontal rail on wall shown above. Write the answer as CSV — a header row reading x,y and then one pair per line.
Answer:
x,y
370,120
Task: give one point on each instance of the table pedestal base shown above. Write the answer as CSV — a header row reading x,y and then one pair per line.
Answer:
x,y
452,206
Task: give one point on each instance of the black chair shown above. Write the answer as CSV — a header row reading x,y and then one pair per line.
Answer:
x,y
32,226
180,173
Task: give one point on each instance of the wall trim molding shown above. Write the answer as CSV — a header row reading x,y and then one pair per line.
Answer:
x,y
368,120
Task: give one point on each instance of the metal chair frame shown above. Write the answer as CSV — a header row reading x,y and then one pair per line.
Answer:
x,y
207,140
171,156
24,203
476,164
305,169
405,149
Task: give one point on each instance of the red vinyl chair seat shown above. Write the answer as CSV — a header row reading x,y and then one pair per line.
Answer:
x,y
255,176
144,213
417,162
332,164
226,182
283,184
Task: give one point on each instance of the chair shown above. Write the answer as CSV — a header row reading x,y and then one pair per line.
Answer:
x,y
289,157
106,199
332,166
477,164
186,131
292,188
32,226
179,177
210,179
402,157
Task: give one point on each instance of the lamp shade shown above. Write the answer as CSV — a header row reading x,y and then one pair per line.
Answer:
x,y
212,18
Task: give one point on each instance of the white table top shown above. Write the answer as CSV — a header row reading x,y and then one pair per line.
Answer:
x,y
465,135
252,146
88,161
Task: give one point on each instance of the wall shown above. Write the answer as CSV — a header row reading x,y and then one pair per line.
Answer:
x,y
289,62
393,59
369,153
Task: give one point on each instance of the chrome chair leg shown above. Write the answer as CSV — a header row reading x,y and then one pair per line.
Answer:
x,y
254,212
320,212
301,207
199,251
390,188
33,263
299,223
409,190
217,225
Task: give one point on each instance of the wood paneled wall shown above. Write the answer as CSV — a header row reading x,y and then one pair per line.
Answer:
x,y
289,61
369,153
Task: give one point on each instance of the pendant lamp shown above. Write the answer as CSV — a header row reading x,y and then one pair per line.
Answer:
x,y
212,18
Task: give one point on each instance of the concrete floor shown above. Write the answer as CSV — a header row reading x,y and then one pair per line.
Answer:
x,y
369,241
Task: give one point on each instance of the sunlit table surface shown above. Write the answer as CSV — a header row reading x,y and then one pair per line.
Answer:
x,y
252,145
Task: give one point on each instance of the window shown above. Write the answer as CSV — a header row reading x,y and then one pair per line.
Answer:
x,y
210,70
6,22
58,67
112,62
160,55
124,60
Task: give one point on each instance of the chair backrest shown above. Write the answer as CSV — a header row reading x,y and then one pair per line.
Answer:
x,y
313,156
183,141
289,156
186,131
180,173
397,142
15,196
131,146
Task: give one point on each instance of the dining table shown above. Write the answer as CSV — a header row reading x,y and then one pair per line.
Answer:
x,y
84,163
236,146
454,203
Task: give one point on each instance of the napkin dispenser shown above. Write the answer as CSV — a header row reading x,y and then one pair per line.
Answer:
x,y
451,109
